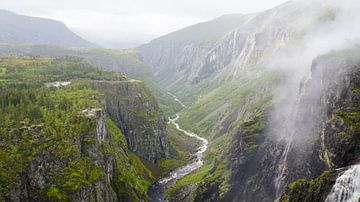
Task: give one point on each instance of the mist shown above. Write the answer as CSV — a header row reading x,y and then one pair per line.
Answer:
x,y
327,27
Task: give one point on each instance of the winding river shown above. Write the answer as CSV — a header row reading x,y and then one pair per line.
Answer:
x,y
157,190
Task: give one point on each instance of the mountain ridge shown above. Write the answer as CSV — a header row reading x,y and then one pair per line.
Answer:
x,y
36,30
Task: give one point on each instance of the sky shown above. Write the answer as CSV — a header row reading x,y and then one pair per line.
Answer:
x,y
128,23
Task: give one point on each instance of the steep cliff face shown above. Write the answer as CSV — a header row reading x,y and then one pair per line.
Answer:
x,y
339,130
101,171
176,58
136,112
45,171
321,134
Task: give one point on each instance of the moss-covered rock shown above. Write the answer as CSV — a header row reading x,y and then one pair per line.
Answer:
x,y
310,190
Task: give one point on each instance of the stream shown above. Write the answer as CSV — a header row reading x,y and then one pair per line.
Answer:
x,y
157,190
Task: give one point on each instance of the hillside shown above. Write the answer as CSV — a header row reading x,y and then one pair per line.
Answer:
x,y
253,91
26,29
62,139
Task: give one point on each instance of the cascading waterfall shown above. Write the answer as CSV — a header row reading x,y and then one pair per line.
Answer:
x,y
288,132
282,170
347,186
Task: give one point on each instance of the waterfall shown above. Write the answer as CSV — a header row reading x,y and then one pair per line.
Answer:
x,y
289,129
347,186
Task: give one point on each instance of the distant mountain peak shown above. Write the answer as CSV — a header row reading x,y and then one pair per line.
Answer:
x,y
36,30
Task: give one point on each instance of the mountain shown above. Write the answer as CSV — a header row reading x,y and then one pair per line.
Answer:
x,y
275,95
20,28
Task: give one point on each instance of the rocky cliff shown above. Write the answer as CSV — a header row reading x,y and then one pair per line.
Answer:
x,y
136,112
102,170
338,133
319,137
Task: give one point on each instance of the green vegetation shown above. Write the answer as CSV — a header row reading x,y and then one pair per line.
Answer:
x,y
216,178
185,147
127,61
228,104
140,167
38,120
193,178
48,126
308,190
251,130
350,116
234,106
128,184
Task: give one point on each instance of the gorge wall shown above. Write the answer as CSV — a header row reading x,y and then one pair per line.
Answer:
x,y
136,112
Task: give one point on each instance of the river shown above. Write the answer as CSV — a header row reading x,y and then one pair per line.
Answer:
x,y
157,190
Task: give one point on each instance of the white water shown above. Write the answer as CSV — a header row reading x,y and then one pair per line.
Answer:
x,y
57,84
347,186
287,132
181,172
157,191
177,100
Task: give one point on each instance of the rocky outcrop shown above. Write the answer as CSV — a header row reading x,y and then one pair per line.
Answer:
x,y
136,112
310,190
39,179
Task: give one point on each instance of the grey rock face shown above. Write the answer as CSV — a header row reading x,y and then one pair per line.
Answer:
x,y
311,148
39,174
338,132
248,43
136,112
